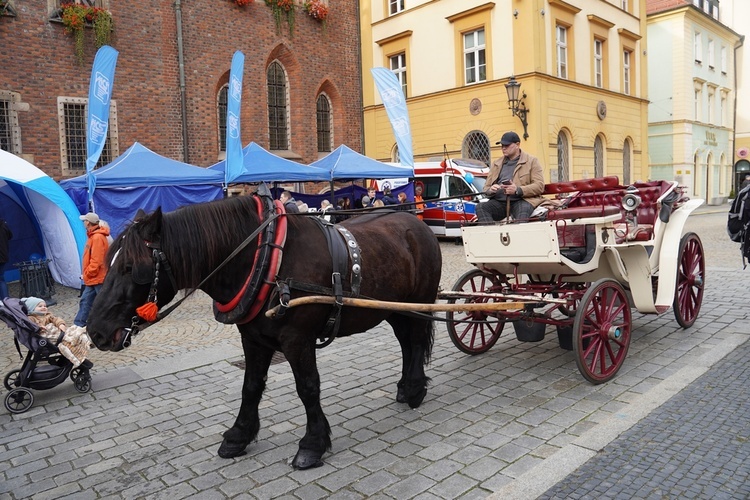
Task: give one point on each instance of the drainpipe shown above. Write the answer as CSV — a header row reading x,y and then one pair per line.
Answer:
x,y
181,64
361,82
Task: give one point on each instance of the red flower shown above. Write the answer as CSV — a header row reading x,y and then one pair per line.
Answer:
x,y
316,9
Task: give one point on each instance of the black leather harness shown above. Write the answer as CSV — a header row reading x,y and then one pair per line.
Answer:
x,y
343,249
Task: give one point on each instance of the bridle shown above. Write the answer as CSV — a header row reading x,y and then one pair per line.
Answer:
x,y
139,322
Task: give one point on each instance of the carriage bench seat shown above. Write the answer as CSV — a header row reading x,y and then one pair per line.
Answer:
x,y
583,185
584,212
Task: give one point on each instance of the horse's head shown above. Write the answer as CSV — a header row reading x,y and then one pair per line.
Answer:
x,y
138,274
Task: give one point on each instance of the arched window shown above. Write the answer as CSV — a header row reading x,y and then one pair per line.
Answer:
x,y
563,157
395,157
626,162
278,123
325,137
221,108
598,156
477,147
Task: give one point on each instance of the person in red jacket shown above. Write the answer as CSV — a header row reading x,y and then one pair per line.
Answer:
x,y
93,268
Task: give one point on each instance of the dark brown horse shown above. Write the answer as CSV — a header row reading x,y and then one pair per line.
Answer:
x,y
400,261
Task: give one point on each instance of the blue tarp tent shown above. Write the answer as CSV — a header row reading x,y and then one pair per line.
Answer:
x,y
261,166
44,220
344,163
140,178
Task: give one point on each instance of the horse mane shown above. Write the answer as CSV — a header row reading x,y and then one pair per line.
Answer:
x,y
194,237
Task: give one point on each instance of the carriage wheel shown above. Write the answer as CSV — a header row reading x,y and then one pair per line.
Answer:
x,y
19,400
480,335
691,272
602,331
11,379
82,382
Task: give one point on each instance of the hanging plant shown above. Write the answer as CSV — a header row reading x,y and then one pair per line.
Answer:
x,y
242,3
75,17
281,9
316,9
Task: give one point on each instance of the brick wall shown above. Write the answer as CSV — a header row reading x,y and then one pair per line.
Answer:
x,y
38,61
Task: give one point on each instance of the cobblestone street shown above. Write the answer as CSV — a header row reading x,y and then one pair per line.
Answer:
x,y
516,422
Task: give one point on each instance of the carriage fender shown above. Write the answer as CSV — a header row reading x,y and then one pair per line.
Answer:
x,y
638,274
668,255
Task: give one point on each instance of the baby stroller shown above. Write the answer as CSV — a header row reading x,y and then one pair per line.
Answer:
x,y
43,368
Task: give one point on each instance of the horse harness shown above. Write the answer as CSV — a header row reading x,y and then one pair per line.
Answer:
x,y
343,248
257,289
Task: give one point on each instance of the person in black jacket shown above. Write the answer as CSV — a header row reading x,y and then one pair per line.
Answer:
x,y
5,235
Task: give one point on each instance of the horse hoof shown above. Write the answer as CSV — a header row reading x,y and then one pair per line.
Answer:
x,y
306,459
400,395
229,450
415,401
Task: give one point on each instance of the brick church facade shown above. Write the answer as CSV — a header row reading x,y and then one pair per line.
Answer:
x,y
301,85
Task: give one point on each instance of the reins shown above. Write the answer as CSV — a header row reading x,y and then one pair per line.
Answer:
x,y
136,325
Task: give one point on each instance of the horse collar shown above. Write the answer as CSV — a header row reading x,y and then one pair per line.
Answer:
x,y
251,296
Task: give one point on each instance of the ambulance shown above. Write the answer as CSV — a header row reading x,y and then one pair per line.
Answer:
x,y
450,189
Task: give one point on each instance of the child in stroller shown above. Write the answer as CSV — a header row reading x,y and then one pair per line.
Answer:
x,y
45,345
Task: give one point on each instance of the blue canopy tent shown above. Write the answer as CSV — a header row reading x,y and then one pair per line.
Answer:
x,y
261,166
140,178
344,163
44,220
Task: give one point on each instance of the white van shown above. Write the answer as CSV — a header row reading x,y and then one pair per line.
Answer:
x,y
456,183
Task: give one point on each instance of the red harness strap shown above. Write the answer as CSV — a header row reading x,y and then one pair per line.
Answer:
x,y
275,262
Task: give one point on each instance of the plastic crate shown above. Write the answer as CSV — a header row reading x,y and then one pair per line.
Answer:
x,y
36,280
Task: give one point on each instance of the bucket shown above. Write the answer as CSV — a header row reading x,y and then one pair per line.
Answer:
x,y
527,331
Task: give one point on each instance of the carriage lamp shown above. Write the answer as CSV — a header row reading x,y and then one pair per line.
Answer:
x,y
516,104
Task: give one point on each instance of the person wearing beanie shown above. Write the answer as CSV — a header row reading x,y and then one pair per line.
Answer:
x,y
73,342
93,266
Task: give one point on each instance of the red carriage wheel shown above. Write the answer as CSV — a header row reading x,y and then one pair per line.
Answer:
x,y
691,272
601,331
483,329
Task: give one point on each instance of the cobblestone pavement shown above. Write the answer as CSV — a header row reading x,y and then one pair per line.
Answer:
x,y
513,422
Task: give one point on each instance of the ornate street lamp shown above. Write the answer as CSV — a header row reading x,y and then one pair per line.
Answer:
x,y
516,104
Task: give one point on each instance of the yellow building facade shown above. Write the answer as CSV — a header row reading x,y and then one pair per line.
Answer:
x,y
580,65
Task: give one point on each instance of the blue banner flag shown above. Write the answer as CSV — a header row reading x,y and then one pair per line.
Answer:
x,y
394,102
100,94
234,165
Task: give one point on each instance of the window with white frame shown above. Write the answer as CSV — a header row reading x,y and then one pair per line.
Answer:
x,y
395,157
723,109
398,66
395,6
697,104
278,107
626,71
711,102
563,157
697,47
72,114
324,128
723,61
626,162
598,156
475,65
476,146
598,63
561,41
624,4
711,56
